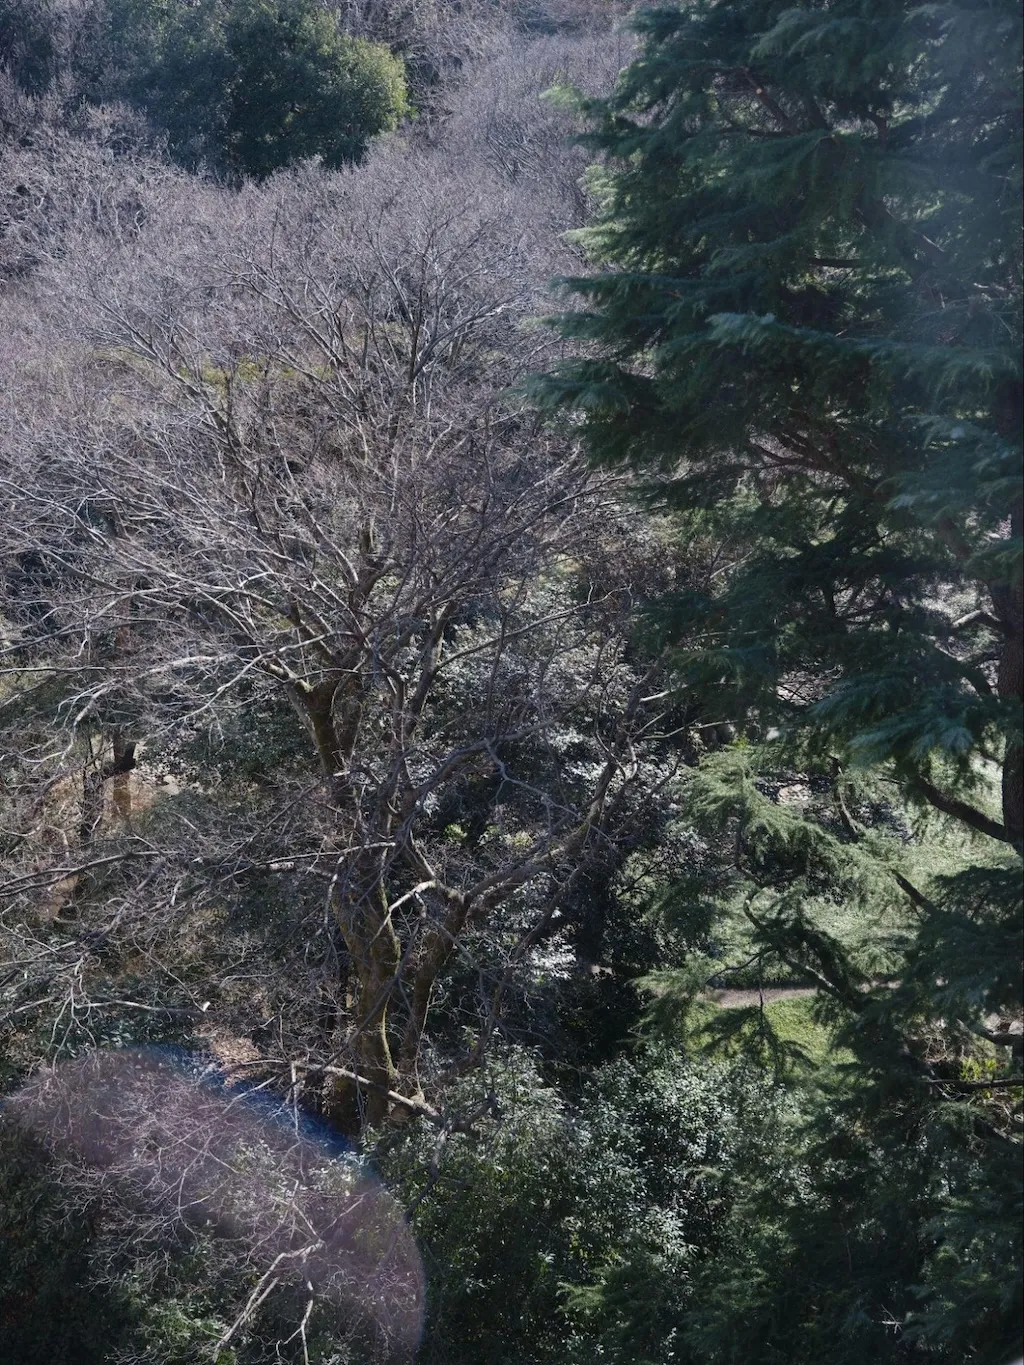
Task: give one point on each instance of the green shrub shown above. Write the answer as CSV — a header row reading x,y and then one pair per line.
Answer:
x,y
249,86
571,1233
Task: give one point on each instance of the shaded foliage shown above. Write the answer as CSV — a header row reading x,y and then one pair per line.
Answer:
x,y
805,335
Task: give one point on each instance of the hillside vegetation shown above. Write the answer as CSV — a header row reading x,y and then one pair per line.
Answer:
x,y
511,672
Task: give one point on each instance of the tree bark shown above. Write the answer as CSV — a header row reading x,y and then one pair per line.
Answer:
x,y
1008,600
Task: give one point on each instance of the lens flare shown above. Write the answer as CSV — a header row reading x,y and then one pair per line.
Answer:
x,y
303,1217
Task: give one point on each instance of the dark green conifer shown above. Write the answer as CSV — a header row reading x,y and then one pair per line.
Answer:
x,y
805,331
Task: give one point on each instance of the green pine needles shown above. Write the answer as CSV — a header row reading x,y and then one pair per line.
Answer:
x,y
809,321
804,331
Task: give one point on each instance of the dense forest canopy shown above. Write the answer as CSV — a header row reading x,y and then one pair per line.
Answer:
x,y
511,820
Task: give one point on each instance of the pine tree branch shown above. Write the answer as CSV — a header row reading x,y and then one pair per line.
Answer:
x,y
974,618
813,112
857,833
960,810
1008,1038
774,108
829,983
919,898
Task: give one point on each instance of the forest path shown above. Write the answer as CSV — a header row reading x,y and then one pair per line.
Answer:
x,y
738,999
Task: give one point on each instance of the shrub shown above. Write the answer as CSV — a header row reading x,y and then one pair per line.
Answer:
x,y
249,86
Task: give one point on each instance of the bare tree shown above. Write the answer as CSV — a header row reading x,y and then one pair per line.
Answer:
x,y
273,449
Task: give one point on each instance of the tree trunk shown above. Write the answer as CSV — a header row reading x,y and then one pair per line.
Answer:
x,y
362,912
1008,601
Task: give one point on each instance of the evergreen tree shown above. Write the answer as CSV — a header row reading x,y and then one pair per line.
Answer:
x,y
302,88
27,43
172,62
252,85
805,331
